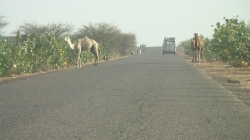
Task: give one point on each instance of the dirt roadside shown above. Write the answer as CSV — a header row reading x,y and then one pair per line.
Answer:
x,y
235,80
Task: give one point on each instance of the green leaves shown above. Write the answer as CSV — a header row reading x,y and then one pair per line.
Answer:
x,y
43,47
5,63
42,52
229,42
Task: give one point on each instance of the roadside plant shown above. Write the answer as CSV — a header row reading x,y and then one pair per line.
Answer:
x,y
5,57
230,41
39,47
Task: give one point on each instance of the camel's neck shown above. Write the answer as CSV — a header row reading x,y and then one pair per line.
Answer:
x,y
72,46
196,41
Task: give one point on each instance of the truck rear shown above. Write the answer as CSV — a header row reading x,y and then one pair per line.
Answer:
x,y
169,45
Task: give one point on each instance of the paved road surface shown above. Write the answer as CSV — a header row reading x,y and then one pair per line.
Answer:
x,y
144,97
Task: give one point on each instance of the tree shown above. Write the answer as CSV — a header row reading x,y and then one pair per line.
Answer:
x,y
248,27
230,42
3,24
57,29
104,33
109,36
128,41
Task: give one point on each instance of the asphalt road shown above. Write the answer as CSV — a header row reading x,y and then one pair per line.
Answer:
x,y
143,97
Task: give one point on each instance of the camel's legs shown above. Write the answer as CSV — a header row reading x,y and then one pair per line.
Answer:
x,y
94,51
78,63
199,54
96,57
193,60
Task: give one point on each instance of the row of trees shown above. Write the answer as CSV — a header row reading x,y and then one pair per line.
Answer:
x,y
38,47
230,43
109,36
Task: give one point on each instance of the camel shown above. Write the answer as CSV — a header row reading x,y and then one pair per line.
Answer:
x,y
193,48
84,44
199,47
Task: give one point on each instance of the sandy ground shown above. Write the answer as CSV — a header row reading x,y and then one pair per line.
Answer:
x,y
235,80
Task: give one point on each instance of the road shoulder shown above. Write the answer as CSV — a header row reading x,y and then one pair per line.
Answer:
x,y
235,80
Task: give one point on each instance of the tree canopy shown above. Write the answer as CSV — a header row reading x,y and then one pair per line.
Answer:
x,y
57,29
3,24
110,37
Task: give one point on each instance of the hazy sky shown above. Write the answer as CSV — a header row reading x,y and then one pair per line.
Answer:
x,y
150,20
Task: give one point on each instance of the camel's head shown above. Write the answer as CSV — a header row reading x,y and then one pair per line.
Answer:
x,y
66,39
195,34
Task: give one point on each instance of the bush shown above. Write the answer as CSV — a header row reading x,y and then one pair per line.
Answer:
x,y
5,57
42,52
45,48
230,41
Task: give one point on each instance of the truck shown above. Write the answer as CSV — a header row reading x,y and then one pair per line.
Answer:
x,y
169,45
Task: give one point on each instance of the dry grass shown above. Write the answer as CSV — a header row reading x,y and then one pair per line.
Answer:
x,y
222,73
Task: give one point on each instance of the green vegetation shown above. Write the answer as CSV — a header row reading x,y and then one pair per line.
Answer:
x,y
230,43
112,41
38,53
57,29
42,47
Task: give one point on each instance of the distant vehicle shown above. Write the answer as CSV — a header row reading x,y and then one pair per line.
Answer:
x,y
169,45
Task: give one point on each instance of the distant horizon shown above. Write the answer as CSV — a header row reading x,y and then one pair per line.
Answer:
x,y
150,21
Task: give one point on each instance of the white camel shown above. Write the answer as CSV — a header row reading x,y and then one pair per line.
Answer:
x,y
84,44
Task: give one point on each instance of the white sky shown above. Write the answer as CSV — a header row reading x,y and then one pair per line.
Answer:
x,y
150,20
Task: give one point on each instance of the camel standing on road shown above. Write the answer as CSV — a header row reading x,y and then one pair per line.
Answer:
x,y
84,44
199,47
